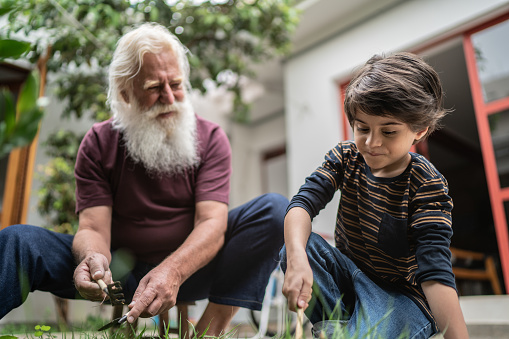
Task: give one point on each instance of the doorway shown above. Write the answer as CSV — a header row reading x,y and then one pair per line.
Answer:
x,y
456,152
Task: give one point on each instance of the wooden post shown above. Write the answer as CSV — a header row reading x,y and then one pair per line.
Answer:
x,y
20,168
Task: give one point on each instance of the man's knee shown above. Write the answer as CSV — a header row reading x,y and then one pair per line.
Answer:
x,y
276,202
16,235
15,230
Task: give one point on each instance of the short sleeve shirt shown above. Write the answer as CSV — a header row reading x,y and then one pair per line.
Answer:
x,y
152,215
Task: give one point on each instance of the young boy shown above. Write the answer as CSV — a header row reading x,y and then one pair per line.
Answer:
x,y
390,271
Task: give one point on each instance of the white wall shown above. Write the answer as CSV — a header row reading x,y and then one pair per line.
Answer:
x,y
248,146
312,77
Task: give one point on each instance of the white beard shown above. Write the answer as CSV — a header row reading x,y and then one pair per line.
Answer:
x,y
164,146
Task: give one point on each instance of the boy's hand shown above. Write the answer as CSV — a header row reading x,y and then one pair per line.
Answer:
x,y
297,287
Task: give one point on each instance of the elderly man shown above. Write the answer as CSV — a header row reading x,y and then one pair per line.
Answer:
x,y
153,181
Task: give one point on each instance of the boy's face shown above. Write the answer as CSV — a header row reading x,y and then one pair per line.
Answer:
x,y
384,142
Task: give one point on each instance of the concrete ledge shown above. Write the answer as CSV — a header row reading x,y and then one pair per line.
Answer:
x,y
488,331
486,310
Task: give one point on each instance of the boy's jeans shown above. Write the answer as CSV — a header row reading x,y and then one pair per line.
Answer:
x,y
368,308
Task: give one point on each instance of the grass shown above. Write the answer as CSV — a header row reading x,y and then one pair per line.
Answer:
x,y
44,331
87,330
15,331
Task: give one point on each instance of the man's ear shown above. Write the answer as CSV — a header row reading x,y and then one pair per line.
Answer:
x,y
125,96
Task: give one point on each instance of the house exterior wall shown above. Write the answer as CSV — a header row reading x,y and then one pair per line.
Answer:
x,y
248,147
313,76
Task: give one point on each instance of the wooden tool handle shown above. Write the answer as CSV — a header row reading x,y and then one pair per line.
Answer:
x,y
103,285
300,322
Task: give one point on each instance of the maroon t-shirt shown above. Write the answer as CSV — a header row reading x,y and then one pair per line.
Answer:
x,y
152,215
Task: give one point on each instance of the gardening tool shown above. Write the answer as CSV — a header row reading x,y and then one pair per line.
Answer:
x,y
114,322
114,291
300,322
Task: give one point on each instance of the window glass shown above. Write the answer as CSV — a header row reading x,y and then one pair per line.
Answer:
x,y
492,56
499,126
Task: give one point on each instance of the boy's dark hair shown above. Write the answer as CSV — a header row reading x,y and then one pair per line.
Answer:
x,y
402,86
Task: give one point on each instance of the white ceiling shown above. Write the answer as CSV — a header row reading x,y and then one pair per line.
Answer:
x,y
319,20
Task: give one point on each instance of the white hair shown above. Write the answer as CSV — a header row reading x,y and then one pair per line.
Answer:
x,y
128,58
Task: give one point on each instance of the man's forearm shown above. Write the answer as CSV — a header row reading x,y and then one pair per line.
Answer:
x,y
200,247
204,242
94,233
87,242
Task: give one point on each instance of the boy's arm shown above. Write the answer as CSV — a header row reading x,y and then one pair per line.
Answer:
x,y
445,307
298,282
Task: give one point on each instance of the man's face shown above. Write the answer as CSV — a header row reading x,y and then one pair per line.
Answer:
x,y
159,83
158,121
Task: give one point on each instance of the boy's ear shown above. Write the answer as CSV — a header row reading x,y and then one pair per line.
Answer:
x,y
421,134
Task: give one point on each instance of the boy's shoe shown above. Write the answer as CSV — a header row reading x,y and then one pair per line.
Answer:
x,y
326,329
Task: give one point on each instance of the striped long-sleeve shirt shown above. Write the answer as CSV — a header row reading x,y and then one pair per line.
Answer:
x,y
396,230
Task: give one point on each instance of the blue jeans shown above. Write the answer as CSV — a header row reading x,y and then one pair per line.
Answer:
x,y
346,293
33,258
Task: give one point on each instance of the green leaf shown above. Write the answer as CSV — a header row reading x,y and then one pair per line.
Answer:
x,y
5,7
8,337
20,131
7,112
26,127
13,48
29,93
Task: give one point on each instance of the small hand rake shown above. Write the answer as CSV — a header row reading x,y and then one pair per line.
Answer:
x,y
115,292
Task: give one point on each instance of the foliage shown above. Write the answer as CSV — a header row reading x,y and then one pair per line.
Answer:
x,y
225,40
18,130
19,121
41,330
56,195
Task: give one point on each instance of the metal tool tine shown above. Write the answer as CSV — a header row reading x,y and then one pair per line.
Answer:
x,y
114,322
116,294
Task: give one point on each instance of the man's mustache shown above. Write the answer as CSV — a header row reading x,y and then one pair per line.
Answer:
x,y
154,111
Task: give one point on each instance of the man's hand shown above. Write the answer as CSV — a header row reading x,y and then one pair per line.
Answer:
x,y
156,293
86,274
297,287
